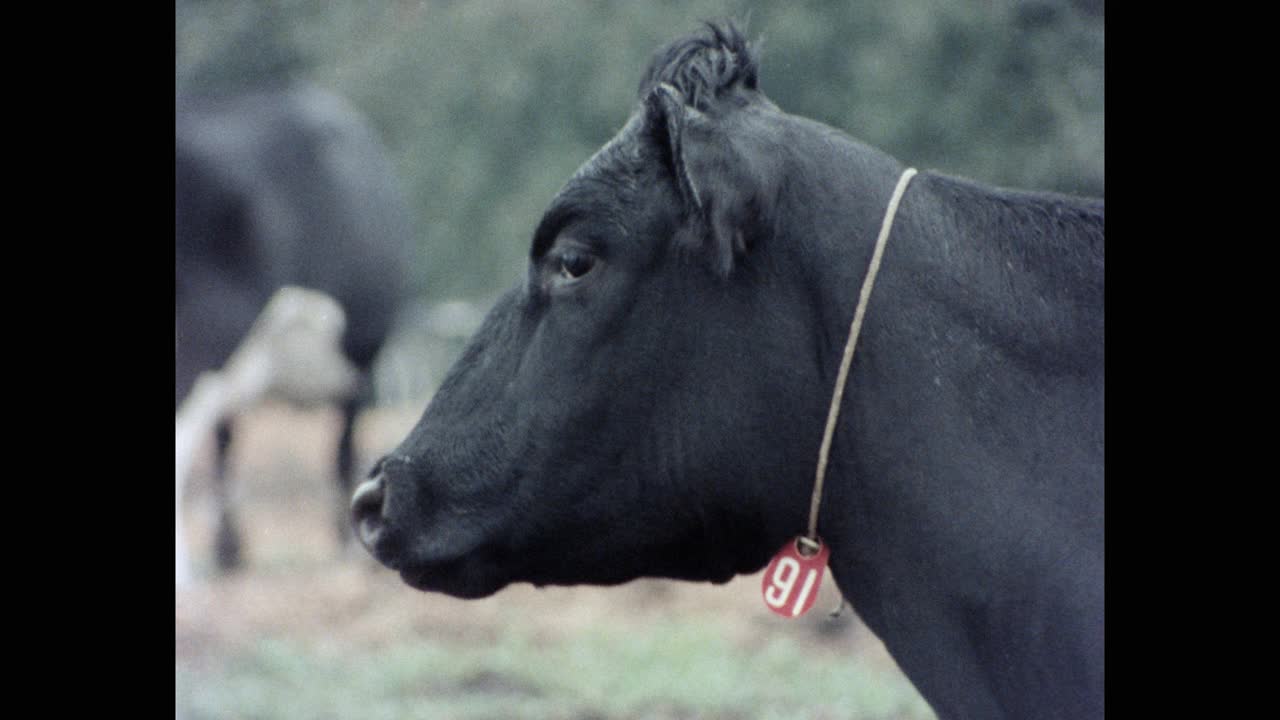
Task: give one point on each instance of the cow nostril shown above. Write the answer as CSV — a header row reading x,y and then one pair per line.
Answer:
x,y
366,510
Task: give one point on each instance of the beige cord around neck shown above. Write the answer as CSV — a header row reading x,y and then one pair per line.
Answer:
x,y
812,540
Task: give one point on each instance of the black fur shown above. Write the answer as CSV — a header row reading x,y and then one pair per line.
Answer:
x,y
705,66
651,418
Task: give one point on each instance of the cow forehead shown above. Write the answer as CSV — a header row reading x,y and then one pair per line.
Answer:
x,y
603,189
621,155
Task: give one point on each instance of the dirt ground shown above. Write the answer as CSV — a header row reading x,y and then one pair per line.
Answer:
x,y
298,584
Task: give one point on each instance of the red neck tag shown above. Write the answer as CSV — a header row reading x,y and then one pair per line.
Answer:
x,y
791,581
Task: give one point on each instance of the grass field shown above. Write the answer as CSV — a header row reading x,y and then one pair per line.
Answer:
x,y
307,630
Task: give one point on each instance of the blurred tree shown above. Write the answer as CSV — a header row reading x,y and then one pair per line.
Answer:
x,y
489,106
225,47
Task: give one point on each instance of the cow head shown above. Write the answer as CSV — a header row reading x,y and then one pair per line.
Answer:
x,y
648,401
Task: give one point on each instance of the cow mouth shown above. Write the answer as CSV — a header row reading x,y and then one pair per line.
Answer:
x,y
433,549
467,575
462,571
468,578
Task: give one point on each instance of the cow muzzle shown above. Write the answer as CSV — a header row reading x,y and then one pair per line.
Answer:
x,y
444,560
367,511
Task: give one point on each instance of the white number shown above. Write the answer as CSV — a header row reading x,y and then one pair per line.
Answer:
x,y
783,581
804,592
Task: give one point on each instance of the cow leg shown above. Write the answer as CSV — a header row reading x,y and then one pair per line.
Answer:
x,y
346,461
226,544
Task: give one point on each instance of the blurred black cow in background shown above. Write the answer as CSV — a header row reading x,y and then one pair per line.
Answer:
x,y
274,187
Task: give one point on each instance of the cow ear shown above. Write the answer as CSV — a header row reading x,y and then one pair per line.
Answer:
x,y
721,192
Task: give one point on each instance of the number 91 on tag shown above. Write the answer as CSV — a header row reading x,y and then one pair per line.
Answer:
x,y
791,581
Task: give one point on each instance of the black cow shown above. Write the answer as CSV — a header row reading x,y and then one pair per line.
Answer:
x,y
651,399
275,187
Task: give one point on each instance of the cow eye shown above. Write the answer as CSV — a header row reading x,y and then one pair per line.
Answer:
x,y
574,264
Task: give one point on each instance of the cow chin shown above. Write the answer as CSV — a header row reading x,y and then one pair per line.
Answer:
x,y
481,572
465,578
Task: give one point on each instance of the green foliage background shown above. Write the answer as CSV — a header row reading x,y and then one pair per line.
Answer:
x,y
488,106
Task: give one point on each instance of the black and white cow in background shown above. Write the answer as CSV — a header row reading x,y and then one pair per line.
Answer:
x,y
283,186
650,399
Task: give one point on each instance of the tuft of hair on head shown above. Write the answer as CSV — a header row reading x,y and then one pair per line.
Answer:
x,y
705,65
689,92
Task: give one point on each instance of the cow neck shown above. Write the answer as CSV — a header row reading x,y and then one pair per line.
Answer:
x,y
811,541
